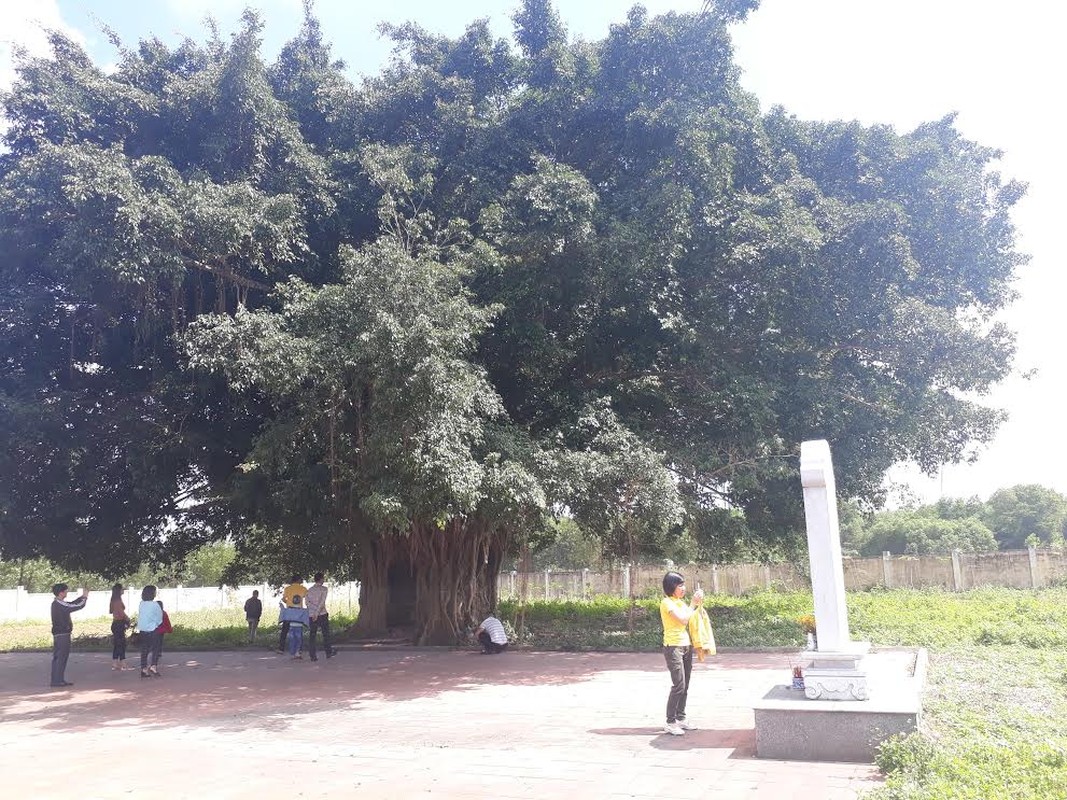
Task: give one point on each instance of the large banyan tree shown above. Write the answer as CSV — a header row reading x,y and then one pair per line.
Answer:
x,y
393,328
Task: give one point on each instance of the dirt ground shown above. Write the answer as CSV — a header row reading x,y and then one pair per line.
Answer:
x,y
396,724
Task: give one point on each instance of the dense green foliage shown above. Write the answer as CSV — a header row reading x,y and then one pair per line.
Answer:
x,y
394,328
1012,518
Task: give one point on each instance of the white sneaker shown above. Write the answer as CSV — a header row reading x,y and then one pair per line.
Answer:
x,y
674,729
686,725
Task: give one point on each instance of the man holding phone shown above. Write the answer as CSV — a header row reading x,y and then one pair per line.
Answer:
x,y
62,628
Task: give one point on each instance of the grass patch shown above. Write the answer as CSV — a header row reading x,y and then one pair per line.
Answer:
x,y
207,629
994,728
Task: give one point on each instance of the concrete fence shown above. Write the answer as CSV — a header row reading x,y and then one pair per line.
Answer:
x,y
1020,569
18,604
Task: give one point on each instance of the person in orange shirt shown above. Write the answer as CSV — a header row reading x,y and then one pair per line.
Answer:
x,y
677,648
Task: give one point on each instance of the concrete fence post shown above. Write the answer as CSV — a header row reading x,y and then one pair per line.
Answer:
x,y
585,582
1035,581
546,584
957,572
511,585
714,578
626,580
887,569
766,576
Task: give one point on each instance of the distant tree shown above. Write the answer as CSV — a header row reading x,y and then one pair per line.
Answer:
x,y
908,532
1026,510
955,508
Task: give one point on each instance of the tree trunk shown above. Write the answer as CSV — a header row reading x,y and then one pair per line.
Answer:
x,y
439,581
455,572
374,590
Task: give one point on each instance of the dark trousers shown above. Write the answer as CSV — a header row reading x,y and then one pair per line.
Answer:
x,y
680,664
322,621
60,654
283,636
488,645
151,642
118,636
253,624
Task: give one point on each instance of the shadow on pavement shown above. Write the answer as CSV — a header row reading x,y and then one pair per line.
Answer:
x,y
235,691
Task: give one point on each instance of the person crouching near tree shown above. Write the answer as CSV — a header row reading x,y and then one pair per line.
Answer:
x,y
491,635
677,649
149,618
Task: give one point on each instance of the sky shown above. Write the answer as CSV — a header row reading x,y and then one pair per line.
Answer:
x,y
897,62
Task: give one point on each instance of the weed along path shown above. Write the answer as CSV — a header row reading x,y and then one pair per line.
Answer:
x,y
396,724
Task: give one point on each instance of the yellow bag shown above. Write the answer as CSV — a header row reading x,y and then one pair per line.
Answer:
x,y
701,635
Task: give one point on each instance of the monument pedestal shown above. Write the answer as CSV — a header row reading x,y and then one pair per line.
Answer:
x,y
848,708
837,675
789,726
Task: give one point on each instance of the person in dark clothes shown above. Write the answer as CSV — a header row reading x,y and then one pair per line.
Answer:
x,y
120,621
62,628
253,612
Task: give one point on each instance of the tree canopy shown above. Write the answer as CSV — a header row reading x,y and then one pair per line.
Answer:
x,y
394,328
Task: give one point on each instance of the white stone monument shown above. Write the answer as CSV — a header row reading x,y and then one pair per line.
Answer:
x,y
835,672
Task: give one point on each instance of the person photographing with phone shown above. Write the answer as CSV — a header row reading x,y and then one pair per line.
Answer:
x,y
675,613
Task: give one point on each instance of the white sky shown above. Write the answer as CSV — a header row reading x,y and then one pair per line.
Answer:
x,y
891,61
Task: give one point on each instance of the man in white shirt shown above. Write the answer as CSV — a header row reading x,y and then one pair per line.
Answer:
x,y
320,618
492,636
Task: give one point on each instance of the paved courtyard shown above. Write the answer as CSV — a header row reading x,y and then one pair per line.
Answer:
x,y
396,724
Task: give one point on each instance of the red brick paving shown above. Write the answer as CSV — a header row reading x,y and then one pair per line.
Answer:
x,y
397,724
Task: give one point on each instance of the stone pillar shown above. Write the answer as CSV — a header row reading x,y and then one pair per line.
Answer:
x,y
714,578
824,545
887,569
546,585
957,572
1035,580
834,673
625,580
585,582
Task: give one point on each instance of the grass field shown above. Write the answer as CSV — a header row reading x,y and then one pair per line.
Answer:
x,y
210,629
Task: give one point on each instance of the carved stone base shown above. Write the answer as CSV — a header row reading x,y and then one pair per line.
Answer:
x,y
837,674
826,684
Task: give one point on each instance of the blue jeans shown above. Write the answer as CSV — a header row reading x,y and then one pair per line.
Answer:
x,y
296,639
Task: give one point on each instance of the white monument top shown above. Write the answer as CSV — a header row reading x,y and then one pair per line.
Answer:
x,y
824,546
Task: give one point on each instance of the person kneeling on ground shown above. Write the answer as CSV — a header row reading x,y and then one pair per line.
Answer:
x,y
492,636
